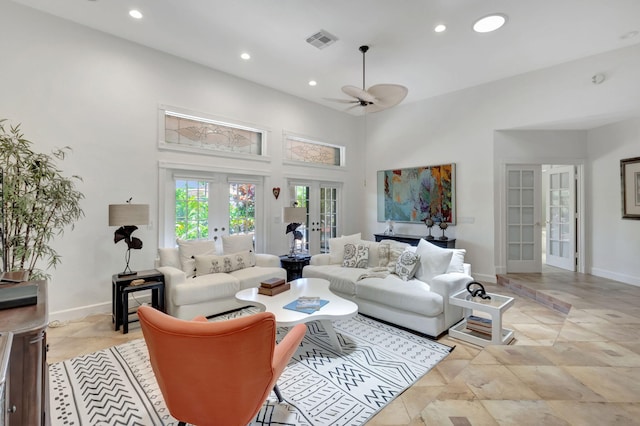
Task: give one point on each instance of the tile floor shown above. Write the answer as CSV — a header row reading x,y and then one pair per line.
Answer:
x,y
575,359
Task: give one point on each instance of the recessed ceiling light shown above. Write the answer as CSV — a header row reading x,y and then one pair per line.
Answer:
x,y
245,56
313,83
440,28
136,14
489,23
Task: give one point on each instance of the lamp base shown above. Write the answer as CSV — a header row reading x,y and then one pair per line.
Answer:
x,y
127,274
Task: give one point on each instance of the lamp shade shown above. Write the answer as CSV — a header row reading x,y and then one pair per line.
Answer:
x,y
128,214
294,215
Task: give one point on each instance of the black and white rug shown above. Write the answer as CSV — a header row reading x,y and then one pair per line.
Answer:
x,y
116,386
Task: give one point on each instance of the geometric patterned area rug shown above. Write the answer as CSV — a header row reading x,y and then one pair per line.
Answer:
x,y
116,386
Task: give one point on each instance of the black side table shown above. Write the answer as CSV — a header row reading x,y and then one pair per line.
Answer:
x,y
121,288
294,265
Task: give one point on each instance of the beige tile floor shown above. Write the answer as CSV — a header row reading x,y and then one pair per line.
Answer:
x,y
575,359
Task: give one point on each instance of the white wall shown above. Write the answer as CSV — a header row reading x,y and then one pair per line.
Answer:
x,y
69,85
615,244
463,127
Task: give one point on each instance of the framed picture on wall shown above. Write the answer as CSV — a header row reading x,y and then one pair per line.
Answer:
x,y
630,178
416,193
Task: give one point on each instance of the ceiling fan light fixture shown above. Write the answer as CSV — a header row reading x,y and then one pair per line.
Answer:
x,y
490,23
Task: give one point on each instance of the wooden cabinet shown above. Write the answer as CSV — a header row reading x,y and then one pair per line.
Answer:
x,y
28,360
415,239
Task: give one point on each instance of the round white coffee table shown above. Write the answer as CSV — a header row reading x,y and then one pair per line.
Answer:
x,y
337,308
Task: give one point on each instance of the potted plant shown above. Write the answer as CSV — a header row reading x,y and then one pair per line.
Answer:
x,y
37,203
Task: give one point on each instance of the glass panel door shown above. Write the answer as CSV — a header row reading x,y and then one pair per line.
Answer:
x,y
523,225
321,201
561,203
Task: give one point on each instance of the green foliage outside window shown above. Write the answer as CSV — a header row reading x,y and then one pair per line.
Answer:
x,y
192,211
242,208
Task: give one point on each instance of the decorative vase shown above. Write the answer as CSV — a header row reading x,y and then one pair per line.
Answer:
x,y
443,226
429,222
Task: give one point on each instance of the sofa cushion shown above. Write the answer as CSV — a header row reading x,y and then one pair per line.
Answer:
x,y
189,248
395,250
169,256
434,260
407,265
412,295
204,288
355,256
212,264
343,280
457,260
252,277
237,243
336,247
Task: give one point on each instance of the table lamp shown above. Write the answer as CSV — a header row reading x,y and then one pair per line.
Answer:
x,y
126,216
294,216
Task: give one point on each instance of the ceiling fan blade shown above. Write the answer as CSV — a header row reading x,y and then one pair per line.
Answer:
x,y
343,101
358,93
388,95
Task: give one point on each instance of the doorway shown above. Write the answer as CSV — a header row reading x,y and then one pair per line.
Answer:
x,y
543,211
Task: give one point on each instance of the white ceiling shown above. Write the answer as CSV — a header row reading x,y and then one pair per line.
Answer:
x,y
404,48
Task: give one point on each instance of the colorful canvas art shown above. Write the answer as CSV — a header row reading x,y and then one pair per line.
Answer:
x,y
414,194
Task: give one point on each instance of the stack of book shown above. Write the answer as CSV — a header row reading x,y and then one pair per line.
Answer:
x,y
479,324
273,286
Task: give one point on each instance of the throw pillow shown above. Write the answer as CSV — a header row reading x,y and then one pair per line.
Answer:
x,y
237,243
213,264
190,248
356,256
395,250
434,260
336,247
457,260
384,250
407,265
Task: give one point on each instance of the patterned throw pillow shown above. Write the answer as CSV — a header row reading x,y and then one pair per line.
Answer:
x,y
395,250
222,264
355,256
407,265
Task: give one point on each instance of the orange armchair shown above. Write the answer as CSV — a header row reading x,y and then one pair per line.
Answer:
x,y
216,373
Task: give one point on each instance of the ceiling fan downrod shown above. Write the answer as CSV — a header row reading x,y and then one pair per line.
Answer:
x,y
364,50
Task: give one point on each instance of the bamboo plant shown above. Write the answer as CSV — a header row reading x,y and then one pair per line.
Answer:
x,y
38,203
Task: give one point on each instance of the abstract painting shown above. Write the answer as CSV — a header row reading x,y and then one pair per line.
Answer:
x,y
416,193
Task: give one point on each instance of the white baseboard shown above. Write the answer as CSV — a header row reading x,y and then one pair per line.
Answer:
x,y
623,278
484,277
97,309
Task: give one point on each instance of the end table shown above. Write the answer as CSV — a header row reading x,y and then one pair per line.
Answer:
x,y
121,287
294,265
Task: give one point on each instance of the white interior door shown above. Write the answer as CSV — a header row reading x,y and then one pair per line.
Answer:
x,y
561,218
524,232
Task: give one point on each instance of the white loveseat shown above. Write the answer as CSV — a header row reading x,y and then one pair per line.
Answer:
x,y
420,302
195,281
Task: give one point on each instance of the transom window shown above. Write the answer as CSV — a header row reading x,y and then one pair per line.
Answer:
x,y
309,151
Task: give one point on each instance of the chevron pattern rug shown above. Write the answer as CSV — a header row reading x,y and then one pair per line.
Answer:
x,y
116,386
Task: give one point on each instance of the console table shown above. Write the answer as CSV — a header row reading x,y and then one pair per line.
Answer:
x,y
121,287
28,372
414,239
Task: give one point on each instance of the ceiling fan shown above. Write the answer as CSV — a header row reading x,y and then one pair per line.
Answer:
x,y
378,97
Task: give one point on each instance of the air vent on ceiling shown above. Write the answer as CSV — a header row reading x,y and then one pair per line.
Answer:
x,y
322,39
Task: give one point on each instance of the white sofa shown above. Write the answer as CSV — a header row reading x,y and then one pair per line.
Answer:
x,y
419,303
189,292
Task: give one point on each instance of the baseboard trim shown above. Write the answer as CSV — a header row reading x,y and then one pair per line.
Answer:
x,y
623,278
88,310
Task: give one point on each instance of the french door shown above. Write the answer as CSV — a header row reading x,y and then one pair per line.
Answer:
x,y
321,199
524,232
212,205
561,218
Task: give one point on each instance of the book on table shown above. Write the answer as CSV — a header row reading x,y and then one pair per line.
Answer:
x,y
272,282
272,291
306,304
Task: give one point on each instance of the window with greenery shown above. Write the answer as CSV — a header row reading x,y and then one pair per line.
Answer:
x,y
242,208
195,201
192,209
